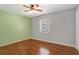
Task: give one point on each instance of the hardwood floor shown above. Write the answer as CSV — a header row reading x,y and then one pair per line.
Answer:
x,y
36,47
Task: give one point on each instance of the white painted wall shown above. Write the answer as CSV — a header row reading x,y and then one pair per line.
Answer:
x,y
77,27
62,27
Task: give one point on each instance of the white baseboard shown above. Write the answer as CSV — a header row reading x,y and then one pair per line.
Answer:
x,y
40,40
77,48
54,42
14,42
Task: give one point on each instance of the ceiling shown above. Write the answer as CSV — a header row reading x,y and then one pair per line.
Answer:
x,y
47,8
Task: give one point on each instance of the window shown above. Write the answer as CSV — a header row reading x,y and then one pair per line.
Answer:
x,y
44,25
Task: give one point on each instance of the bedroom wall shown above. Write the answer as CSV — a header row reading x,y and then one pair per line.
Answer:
x,y
13,27
77,27
62,27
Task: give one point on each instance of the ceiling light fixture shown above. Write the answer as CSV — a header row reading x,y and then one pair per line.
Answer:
x,y
32,8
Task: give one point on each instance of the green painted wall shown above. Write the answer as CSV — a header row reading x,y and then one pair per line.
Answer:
x,y
13,27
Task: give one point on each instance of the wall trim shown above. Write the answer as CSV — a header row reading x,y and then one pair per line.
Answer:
x,y
14,42
77,48
54,42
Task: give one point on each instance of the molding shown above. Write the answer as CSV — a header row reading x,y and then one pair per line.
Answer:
x,y
55,42
40,40
77,48
8,43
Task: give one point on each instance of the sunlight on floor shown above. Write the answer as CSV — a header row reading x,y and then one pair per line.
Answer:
x,y
44,51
